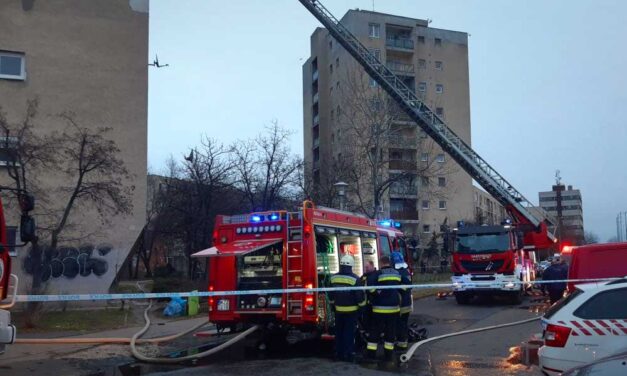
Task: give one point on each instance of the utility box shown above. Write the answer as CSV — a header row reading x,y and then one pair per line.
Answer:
x,y
193,305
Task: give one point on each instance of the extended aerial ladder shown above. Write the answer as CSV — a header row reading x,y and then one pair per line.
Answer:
x,y
535,229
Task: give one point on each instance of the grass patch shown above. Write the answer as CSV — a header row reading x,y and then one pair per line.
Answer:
x,y
429,278
77,321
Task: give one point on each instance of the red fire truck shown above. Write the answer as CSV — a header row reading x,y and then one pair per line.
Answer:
x,y
284,250
27,234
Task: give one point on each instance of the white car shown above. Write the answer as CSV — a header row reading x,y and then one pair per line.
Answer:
x,y
589,324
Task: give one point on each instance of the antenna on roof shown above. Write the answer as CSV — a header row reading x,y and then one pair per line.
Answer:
x,y
155,63
373,5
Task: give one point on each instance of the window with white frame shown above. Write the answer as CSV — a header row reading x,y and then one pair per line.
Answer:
x,y
440,158
439,111
424,157
372,82
421,39
439,88
12,66
438,41
425,204
426,229
8,147
376,52
439,65
442,205
422,86
374,30
422,63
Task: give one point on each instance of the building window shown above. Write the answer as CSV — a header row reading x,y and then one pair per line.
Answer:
x,y
424,157
421,39
332,115
440,158
376,53
372,82
330,44
439,65
375,30
441,182
426,229
439,111
442,205
438,41
337,62
439,88
422,86
7,150
424,181
331,68
422,63
338,111
425,204
376,105
12,66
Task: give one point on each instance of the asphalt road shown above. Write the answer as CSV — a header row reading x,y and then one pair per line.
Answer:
x,y
485,353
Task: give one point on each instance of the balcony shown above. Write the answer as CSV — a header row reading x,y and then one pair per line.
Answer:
x,y
314,76
402,164
316,120
401,68
403,190
400,44
408,215
316,97
316,142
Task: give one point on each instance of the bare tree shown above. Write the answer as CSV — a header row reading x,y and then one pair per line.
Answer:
x,y
590,237
382,147
267,171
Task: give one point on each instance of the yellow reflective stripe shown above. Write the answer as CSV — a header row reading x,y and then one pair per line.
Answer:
x,y
344,279
346,308
379,309
406,309
389,278
371,346
362,303
388,346
402,345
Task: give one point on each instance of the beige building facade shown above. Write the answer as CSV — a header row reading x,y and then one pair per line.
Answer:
x,y
434,63
487,210
90,58
565,204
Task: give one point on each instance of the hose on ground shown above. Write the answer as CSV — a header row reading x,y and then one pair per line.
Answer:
x,y
203,354
405,357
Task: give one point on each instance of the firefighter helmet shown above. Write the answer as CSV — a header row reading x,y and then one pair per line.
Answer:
x,y
347,260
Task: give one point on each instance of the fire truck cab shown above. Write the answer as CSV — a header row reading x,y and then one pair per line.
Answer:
x,y
289,250
489,260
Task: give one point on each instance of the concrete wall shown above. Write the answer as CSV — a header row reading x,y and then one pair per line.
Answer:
x,y
89,57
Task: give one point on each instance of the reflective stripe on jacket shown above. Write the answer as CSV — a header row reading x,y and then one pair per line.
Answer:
x,y
406,300
346,301
384,300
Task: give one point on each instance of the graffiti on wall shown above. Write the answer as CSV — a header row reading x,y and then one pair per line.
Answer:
x,y
70,262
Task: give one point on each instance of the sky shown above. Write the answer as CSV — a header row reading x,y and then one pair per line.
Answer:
x,y
548,83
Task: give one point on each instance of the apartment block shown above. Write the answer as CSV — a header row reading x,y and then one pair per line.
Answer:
x,y
432,62
565,204
89,58
487,210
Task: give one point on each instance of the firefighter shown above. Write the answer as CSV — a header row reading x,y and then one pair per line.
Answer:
x,y
402,325
385,310
347,305
369,269
557,271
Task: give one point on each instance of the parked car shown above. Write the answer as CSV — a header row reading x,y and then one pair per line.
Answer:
x,y
615,365
588,324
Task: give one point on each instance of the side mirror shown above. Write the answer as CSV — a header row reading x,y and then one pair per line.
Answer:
x,y
27,202
27,228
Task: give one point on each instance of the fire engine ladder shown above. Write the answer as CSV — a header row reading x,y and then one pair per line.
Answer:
x,y
294,264
425,118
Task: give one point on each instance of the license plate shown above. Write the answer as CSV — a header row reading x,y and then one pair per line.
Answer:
x,y
223,305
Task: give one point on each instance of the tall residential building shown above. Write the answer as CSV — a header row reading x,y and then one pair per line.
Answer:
x,y
434,63
565,205
90,58
621,226
487,210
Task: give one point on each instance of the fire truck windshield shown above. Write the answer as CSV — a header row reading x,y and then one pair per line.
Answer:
x,y
482,243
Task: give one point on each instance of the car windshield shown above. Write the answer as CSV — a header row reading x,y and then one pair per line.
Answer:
x,y
482,243
561,304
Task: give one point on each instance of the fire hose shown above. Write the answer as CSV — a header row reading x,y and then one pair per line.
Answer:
x,y
407,356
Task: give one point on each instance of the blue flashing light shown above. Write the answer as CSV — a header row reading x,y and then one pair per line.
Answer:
x,y
385,223
274,217
397,225
256,218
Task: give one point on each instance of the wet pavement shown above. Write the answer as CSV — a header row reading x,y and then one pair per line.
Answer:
x,y
487,353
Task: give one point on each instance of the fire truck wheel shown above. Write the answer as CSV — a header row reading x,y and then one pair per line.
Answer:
x,y
463,298
516,297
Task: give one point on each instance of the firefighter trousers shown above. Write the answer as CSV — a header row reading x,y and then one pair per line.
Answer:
x,y
402,329
382,324
345,327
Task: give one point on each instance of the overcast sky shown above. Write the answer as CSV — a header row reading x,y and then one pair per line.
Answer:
x,y
548,83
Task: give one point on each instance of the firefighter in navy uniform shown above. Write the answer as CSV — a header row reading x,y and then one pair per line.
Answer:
x,y
402,325
386,305
347,305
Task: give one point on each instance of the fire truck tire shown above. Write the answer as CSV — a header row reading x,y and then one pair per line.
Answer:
x,y
463,298
516,297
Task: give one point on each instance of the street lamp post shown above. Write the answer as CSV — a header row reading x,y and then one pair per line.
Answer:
x,y
341,192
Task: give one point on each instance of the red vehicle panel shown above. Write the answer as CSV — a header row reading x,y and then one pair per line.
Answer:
x,y
607,260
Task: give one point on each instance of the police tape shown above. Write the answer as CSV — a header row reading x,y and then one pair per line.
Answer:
x,y
134,296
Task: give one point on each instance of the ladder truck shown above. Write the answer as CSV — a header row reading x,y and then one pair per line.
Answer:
x,y
498,269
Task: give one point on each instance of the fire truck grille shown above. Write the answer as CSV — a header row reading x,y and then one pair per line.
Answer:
x,y
482,266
